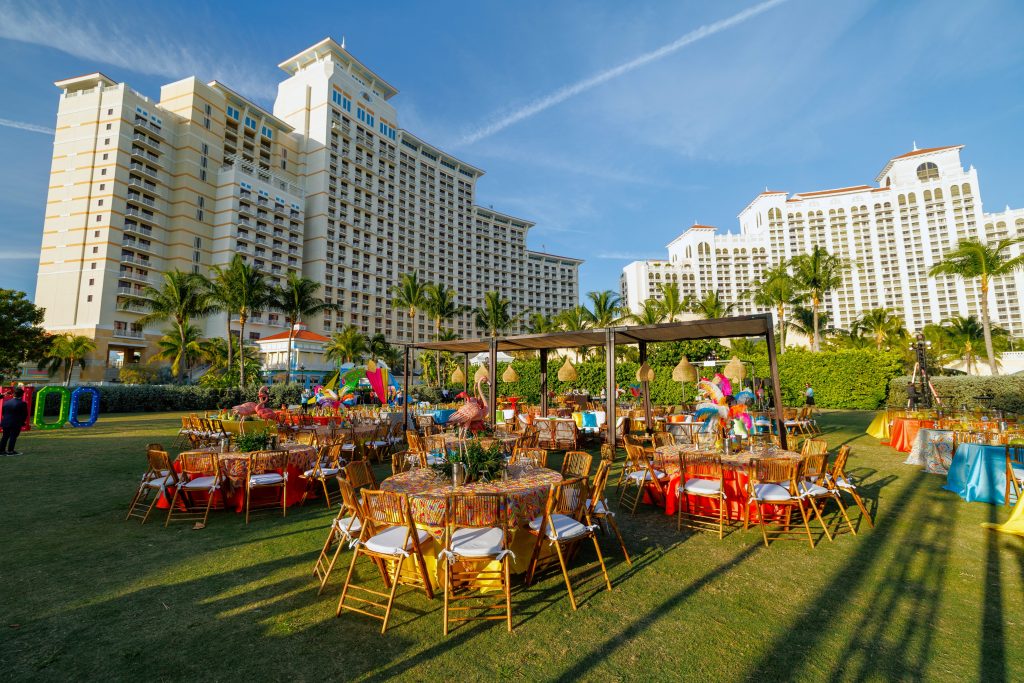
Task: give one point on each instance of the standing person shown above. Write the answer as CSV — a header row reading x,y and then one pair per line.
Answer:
x,y
808,395
14,416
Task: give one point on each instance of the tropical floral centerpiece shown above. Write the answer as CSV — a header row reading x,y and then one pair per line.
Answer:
x,y
479,462
253,441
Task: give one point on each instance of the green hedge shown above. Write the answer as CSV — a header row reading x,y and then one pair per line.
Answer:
x,y
1007,392
134,398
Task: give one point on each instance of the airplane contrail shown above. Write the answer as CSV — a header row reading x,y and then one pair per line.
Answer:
x,y
31,127
564,93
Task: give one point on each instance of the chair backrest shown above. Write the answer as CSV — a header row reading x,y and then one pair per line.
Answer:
x,y
531,436
565,429
386,509
414,441
664,439
305,437
159,461
576,464
1015,454
435,443
607,453
538,454
815,466
570,497
349,498
839,464
154,447
813,447
781,471
400,462
476,510
198,464
359,474
262,462
631,440
700,466
597,487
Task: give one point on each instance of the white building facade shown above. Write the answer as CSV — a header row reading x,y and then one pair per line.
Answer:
x,y
892,234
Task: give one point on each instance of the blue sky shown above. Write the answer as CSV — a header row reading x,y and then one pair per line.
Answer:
x,y
610,146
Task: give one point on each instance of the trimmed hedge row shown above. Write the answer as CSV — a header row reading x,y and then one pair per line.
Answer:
x,y
1007,392
134,398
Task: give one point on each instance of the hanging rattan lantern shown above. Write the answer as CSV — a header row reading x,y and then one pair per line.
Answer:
x,y
482,375
734,370
567,373
458,377
645,373
684,371
510,375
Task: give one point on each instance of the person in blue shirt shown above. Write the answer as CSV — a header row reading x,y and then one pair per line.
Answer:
x,y
808,395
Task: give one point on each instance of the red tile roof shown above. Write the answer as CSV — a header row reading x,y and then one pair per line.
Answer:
x,y
928,150
305,335
705,227
838,190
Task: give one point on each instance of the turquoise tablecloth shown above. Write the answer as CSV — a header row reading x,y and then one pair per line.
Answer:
x,y
978,473
442,414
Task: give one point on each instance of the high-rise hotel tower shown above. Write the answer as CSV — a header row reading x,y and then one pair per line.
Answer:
x,y
891,234
327,185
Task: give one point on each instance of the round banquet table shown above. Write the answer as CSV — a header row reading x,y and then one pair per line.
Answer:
x,y
506,441
235,466
734,480
904,431
978,473
933,450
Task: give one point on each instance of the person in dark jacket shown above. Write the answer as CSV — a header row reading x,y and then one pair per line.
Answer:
x,y
15,413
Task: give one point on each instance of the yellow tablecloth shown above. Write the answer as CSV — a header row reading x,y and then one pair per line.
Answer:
x,y
1014,525
251,426
879,427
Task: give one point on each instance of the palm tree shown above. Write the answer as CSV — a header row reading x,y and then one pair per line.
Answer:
x,y
221,296
776,291
967,335
411,294
181,348
346,346
250,295
67,350
606,308
494,315
817,274
672,301
883,326
847,339
297,300
538,323
222,371
179,299
441,308
651,313
574,319
802,321
974,259
711,306
377,346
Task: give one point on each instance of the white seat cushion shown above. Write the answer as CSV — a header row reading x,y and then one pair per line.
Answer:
x,y
379,444
771,493
200,483
812,490
483,542
600,509
562,528
844,483
268,479
325,471
703,487
390,542
645,475
160,482
342,525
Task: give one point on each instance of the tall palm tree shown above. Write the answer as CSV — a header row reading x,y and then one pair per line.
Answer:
x,y
251,295
182,349
711,305
776,291
817,274
441,308
802,321
221,297
222,371
975,259
297,300
67,350
378,347
538,323
606,307
672,301
967,335
651,313
494,316
179,299
883,326
347,345
411,294
574,319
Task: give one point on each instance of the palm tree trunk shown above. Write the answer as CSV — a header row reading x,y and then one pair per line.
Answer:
x,y
782,329
71,368
288,363
986,326
437,335
412,332
241,350
230,359
815,340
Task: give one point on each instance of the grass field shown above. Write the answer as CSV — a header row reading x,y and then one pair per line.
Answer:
x,y
928,594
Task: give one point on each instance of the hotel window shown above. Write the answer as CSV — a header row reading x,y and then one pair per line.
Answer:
x,y
250,123
233,113
928,171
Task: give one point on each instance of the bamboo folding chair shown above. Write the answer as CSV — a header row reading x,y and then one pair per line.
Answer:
x,y
400,461
607,453
640,476
436,448
359,474
538,455
564,524
577,464
565,436
200,473
156,480
664,438
328,464
773,481
414,441
842,482
813,447
700,476
814,486
1014,471
184,432
378,445
388,536
345,528
267,470
597,505
476,535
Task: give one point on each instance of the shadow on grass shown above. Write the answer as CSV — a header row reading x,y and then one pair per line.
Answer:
x,y
992,665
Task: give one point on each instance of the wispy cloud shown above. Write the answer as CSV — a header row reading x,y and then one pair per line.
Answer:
x,y
31,127
139,45
8,255
566,92
622,255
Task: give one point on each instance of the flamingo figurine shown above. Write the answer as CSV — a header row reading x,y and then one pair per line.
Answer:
x,y
472,413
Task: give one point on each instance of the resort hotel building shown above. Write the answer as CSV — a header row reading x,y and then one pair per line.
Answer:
x,y
892,233
327,185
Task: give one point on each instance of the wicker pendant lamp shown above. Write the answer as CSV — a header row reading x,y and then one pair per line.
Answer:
x,y
458,377
645,373
482,375
567,373
510,375
684,371
735,370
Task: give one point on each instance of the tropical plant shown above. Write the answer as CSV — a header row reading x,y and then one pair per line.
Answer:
x,y
975,259
249,442
673,303
221,296
23,338
67,350
711,306
297,300
411,294
801,320
223,371
746,346
606,308
181,347
347,345
845,339
441,308
243,290
883,326
650,313
179,299
494,316
816,274
574,319
967,337
538,323
776,291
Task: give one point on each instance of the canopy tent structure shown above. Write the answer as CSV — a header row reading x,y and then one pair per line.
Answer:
x,y
759,325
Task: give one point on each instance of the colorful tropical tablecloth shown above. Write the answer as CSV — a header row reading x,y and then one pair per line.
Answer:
x,y
933,450
978,473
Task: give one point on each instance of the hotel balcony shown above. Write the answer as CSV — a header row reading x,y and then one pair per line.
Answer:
x,y
129,334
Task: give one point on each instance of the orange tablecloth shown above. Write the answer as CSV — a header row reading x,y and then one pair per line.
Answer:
x,y
904,431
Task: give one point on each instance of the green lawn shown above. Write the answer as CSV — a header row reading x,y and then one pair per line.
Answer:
x,y
928,594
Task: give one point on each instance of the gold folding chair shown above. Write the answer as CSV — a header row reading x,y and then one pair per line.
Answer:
x,y
598,507
537,455
200,474
400,461
607,452
388,536
267,470
640,476
156,480
328,464
813,447
1014,471
378,445
359,474
773,481
476,535
577,464
842,482
700,476
564,524
813,485
344,529
565,435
